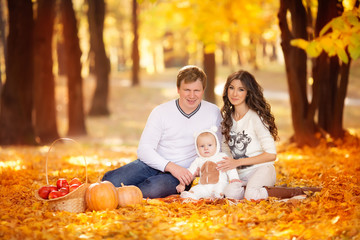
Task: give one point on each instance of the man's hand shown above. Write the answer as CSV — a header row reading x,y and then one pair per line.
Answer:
x,y
182,174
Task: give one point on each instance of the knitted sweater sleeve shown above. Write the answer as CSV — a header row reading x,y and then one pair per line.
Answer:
x,y
149,141
266,140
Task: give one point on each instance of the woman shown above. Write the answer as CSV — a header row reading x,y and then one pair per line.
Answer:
x,y
249,135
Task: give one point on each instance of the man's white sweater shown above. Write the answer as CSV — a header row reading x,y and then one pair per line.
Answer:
x,y
169,133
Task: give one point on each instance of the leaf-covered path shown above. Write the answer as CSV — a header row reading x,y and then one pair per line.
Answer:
x,y
333,213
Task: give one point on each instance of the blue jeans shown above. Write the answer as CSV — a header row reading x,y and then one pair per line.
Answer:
x,y
153,183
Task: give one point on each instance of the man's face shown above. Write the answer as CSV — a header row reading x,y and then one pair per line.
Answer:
x,y
190,95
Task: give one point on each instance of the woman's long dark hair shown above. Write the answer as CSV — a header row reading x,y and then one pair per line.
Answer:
x,y
255,100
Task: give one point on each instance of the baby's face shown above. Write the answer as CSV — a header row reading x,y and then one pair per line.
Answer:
x,y
206,145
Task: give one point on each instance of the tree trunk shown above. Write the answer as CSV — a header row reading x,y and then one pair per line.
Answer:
x,y
330,77
2,39
61,58
135,45
337,130
295,63
73,70
226,51
121,59
96,15
17,93
273,56
209,69
325,72
253,52
44,85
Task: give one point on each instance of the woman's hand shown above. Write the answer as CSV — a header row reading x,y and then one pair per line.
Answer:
x,y
227,164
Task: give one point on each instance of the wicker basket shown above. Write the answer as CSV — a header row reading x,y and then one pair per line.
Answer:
x,y
71,202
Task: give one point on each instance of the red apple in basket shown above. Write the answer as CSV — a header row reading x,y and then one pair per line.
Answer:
x,y
73,187
60,194
62,182
75,181
55,194
45,190
64,190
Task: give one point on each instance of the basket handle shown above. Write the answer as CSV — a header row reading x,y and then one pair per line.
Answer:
x,y
46,163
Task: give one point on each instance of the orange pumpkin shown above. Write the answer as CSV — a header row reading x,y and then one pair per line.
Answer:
x,y
101,196
129,195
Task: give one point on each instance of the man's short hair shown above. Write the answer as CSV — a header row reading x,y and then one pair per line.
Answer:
x,y
190,74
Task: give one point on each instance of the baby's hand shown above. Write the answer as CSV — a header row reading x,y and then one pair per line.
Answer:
x,y
180,188
197,173
235,180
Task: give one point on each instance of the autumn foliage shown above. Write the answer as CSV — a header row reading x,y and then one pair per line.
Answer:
x,y
333,213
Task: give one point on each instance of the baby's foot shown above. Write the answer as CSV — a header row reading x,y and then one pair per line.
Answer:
x,y
217,195
187,194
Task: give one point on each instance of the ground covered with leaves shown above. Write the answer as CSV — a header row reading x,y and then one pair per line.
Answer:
x,y
333,213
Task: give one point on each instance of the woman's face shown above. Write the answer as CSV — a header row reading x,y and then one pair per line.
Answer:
x,y
236,93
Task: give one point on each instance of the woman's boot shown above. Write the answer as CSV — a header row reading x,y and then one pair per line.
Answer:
x,y
289,192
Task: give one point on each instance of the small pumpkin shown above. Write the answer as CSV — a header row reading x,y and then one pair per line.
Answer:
x,y
101,196
129,195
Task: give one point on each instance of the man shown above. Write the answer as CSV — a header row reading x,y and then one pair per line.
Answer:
x,y
166,148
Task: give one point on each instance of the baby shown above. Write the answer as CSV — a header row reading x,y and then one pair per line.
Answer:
x,y
212,182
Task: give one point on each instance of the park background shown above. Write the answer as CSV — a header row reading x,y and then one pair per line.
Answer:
x,y
109,139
